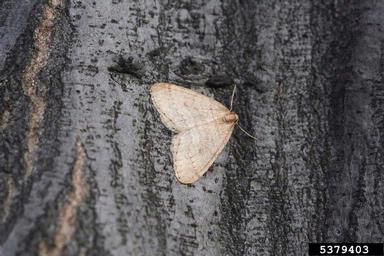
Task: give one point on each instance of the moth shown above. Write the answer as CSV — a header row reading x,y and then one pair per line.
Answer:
x,y
202,125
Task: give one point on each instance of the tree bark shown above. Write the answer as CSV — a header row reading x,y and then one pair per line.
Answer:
x,y
85,164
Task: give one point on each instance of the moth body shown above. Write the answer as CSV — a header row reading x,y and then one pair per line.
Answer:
x,y
201,124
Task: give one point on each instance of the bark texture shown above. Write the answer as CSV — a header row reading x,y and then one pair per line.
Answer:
x,y
85,165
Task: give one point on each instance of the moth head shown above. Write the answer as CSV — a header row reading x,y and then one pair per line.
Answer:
x,y
231,117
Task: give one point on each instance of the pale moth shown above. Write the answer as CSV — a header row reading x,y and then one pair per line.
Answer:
x,y
202,125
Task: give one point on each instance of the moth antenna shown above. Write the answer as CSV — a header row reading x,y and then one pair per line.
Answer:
x,y
247,133
241,128
232,97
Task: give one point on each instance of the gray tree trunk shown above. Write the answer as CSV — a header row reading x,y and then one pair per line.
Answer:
x,y
85,164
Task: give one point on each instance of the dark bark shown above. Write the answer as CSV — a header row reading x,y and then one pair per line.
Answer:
x,y
85,165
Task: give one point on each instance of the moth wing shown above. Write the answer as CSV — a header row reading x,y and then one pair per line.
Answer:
x,y
196,149
181,109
